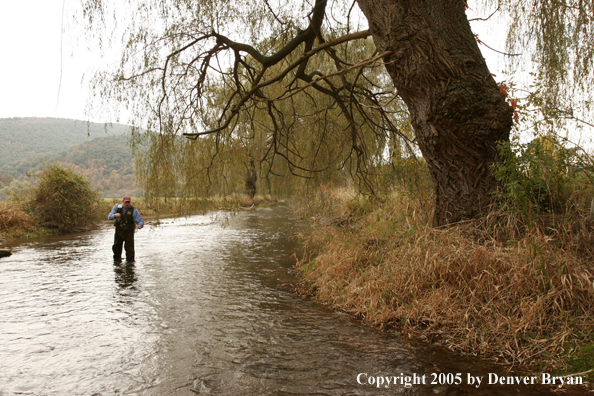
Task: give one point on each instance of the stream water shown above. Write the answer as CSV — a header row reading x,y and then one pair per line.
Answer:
x,y
198,313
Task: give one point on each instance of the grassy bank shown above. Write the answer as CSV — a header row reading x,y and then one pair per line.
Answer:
x,y
495,287
18,219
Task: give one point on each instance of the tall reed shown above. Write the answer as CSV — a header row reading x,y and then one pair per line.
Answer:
x,y
490,287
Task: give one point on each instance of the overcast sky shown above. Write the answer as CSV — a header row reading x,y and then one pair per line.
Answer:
x,y
32,63
38,78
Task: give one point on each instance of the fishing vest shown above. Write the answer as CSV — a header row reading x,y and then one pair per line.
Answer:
x,y
126,221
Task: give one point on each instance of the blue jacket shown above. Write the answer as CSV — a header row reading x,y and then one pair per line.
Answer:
x,y
135,215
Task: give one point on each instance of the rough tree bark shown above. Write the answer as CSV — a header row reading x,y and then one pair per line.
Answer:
x,y
457,111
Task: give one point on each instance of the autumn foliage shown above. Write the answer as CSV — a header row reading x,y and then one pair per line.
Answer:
x,y
14,221
504,89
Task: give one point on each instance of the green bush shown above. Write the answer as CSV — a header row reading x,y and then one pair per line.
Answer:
x,y
64,201
543,176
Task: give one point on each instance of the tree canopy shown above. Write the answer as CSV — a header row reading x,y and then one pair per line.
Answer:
x,y
301,83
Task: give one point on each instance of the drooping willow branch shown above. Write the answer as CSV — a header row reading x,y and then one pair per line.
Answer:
x,y
234,110
249,80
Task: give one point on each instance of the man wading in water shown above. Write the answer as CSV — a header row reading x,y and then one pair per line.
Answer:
x,y
126,220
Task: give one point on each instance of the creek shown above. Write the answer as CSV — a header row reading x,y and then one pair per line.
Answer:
x,y
199,313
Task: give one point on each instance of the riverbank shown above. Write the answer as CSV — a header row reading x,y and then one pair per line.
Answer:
x,y
17,222
17,219
187,206
487,288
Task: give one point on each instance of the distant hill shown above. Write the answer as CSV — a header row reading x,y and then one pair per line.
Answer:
x,y
27,137
105,158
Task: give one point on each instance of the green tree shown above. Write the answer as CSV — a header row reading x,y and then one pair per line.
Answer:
x,y
64,201
178,53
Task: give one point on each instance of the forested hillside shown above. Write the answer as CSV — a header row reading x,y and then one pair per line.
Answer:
x,y
25,137
102,156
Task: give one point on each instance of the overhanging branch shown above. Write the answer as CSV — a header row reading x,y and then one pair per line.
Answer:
x,y
234,110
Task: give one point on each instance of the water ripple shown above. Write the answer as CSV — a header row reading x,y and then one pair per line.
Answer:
x,y
198,310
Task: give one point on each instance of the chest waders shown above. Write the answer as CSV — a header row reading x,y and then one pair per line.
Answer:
x,y
125,222
124,234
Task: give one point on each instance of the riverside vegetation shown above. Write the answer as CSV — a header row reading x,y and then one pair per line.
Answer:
x,y
516,285
63,202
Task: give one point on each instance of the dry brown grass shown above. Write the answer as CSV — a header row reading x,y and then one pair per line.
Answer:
x,y
15,221
486,287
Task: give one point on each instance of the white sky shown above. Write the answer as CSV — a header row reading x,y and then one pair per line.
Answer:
x,y
32,63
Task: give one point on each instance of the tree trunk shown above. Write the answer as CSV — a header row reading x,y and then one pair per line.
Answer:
x,y
456,108
251,177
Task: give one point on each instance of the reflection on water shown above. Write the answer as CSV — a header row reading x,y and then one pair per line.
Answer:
x,y
125,275
197,312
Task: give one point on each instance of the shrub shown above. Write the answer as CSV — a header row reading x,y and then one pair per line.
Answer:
x,y
64,201
15,221
543,176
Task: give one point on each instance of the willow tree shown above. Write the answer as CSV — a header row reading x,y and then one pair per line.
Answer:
x,y
177,51
299,133
558,37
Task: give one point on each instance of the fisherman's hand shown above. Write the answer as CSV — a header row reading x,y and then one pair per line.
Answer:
x,y
117,215
139,227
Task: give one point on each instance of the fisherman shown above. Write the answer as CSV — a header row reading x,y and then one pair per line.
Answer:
x,y
126,220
